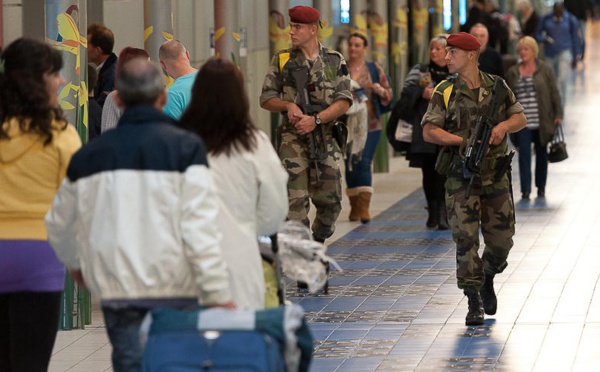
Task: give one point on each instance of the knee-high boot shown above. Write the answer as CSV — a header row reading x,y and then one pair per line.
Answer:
x,y
443,216
354,204
432,213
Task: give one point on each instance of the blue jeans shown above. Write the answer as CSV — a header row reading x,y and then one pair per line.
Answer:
x,y
360,175
524,139
123,327
561,64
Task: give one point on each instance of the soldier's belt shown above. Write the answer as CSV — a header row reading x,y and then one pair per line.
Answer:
x,y
488,164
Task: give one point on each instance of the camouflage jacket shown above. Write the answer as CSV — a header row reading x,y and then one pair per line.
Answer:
x,y
329,80
455,108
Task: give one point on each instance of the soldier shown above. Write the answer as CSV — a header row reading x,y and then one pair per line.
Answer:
x,y
306,137
450,118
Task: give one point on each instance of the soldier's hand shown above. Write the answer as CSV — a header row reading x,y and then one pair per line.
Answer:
x,y
294,113
497,135
305,124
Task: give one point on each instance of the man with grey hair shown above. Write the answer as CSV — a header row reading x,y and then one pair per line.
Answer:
x,y
134,220
175,60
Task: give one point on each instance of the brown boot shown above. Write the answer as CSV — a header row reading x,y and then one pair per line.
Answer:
x,y
354,204
364,204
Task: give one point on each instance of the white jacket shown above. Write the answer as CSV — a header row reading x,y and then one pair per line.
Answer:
x,y
137,214
252,189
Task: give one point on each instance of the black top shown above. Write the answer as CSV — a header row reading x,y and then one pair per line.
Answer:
x,y
490,61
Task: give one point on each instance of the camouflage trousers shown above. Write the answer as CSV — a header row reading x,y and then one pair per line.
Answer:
x,y
319,183
489,208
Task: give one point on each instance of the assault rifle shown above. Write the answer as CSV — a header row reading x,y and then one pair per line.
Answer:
x,y
479,141
317,148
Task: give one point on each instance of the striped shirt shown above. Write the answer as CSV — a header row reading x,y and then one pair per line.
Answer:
x,y
526,96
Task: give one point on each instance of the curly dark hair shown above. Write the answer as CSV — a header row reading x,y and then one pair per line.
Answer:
x,y
23,92
219,110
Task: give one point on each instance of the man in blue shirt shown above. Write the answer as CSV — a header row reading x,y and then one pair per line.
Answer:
x,y
175,60
559,31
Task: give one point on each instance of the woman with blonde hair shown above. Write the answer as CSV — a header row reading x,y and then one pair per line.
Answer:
x,y
534,85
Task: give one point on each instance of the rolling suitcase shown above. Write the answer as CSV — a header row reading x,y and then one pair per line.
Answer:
x,y
193,351
227,340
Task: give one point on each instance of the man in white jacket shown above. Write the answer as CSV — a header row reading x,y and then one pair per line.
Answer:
x,y
134,220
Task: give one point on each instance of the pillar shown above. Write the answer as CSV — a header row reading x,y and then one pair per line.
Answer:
x,y
326,29
279,38
359,16
279,25
435,20
399,38
66,24
378,22
33,19
158,25
420,32
227,36
1,24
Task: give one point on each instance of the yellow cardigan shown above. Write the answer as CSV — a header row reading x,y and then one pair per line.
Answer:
x,y
30,174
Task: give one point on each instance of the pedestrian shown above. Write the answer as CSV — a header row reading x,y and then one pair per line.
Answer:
x,y
175,60
111,112
534,85
134,220
529,17
378,91
490,60
559,31
416,94
101,42
451,117
243,163
36,143
307,145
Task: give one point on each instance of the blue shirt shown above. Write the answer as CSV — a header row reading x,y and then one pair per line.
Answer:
x,y
179,95
564,31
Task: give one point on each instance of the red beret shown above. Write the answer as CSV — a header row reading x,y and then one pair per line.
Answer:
x,y
463,41
304,14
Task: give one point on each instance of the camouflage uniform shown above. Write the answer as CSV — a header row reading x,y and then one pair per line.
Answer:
x,y
455,108
328,82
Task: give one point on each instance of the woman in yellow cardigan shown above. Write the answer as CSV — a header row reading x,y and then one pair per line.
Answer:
x,y
36,144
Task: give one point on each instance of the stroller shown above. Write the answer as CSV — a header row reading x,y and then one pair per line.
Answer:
x,y
296,256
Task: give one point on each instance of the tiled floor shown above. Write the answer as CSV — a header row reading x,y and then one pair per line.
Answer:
x,y
395,307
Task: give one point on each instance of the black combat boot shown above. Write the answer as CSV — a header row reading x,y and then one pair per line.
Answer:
x,y
433,213
443,217
475,314
488,296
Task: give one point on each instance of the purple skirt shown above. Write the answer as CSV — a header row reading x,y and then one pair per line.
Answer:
x,y
29,265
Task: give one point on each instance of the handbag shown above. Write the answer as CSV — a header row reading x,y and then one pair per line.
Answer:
x,y
404,131
558,147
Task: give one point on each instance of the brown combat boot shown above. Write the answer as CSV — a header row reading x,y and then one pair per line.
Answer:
x,y
475,314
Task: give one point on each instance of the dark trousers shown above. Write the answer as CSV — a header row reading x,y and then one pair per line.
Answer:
x,y
28,326
433,182
524,139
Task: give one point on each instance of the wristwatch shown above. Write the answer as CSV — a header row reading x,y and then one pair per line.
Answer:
x,y
317,120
